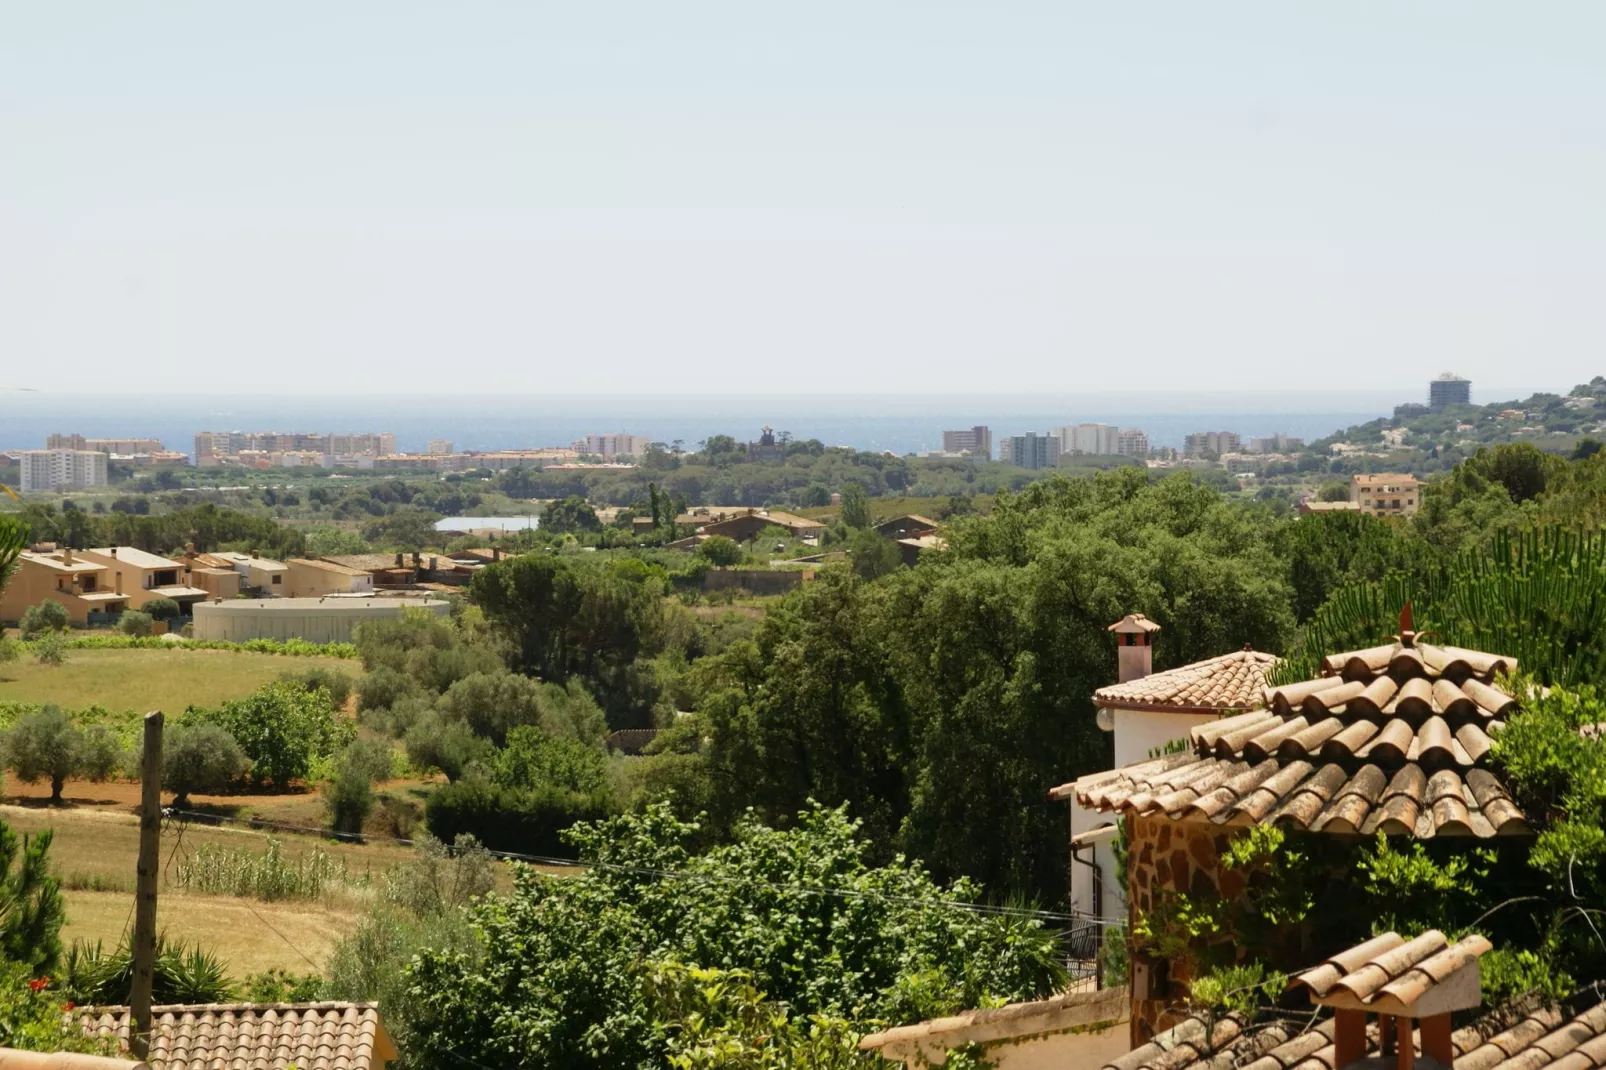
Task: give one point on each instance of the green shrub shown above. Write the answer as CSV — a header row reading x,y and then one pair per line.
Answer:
x,y
163,609
45,745
101,755
338,684
436,743
200,757
381,688
31,1018
281,728
507,819
183,974
533,760
282,986
47,616
349,797
721,550
50,649
9,649
30,926
134,622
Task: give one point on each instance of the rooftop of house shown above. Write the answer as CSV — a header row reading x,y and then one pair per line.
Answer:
x,y
213,561
1372,479
328,566
310,1036
56,561
1389,974
777,517
1394,738
135,557
913,520
1233,681
265,563
1311,505
1133,624
370,562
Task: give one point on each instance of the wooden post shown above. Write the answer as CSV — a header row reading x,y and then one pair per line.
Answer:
x,y
1349,1036
1436,1042
1385,1031
150,851
1404,1030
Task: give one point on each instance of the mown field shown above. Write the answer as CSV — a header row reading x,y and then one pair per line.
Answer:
x,y
142,680
95,852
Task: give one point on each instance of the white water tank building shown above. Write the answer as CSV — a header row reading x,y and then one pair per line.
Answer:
x,y
330,619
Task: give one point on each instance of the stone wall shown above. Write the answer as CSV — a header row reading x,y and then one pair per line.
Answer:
x,y
1179,856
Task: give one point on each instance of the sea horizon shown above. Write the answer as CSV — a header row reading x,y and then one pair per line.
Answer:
x,y
900,424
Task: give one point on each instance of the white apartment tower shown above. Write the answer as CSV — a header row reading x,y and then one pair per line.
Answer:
x,y
62,469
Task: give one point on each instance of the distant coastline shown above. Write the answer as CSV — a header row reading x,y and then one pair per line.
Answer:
x,y
905,424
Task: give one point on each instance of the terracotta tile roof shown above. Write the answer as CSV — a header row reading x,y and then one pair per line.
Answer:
x,y
1544,1040
256,1036
1393,738
1391,975
1134,622
1231,682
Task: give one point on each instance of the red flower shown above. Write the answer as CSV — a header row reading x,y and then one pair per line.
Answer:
x,y
67,1006
38,984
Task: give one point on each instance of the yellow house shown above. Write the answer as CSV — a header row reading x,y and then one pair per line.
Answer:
x,y
307,578
1385,493
144,577
83,586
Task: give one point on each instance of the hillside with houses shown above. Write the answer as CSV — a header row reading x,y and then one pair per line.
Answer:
x,y
1092,775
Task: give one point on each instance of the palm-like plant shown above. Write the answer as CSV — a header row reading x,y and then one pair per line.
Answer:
x,y
13,539
1537,595
183,973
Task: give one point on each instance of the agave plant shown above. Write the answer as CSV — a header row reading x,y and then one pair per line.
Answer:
x,y
1537,595
184,973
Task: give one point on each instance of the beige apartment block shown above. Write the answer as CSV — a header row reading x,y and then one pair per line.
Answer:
x,y
144,577
1386,493
329,619
81,585
307,578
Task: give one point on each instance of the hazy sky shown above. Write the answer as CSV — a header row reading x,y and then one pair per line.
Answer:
x,y
747,197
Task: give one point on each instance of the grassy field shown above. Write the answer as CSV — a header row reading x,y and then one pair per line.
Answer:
x,y
142,680
97,847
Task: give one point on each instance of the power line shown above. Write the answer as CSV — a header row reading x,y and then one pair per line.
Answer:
x,y
799,889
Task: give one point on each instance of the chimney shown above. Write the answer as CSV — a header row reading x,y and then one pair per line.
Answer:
x,y
398,559
118,588
1134,634
66,555
114,551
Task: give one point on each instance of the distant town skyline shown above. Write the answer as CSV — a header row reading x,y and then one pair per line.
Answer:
x,y
491,198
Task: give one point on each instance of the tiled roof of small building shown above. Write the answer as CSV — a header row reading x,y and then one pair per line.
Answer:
x,y
255,1036
1544,1040
1231,682
1389,973
1392,738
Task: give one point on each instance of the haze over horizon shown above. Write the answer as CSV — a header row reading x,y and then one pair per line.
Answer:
x,y
1049,199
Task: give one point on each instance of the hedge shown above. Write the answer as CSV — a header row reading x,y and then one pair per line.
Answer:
x,y
287,647
505,819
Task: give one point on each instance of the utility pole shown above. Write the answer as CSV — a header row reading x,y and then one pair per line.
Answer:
x,y
150,852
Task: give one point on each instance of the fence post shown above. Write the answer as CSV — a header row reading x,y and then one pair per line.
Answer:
x,y
150,849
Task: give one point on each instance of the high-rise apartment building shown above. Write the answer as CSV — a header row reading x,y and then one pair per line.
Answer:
x,y
1449,389
616,445
440,447
122,446
62,469
1278,443
1087,438
978,440
1032,450
1130,442
1216,442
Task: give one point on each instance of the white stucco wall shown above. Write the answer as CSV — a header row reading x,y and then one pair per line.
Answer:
x,y
1137,732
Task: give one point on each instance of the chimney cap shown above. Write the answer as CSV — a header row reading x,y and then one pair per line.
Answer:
x,y
1134,623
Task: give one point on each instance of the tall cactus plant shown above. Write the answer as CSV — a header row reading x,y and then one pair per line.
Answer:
x,y
1537,595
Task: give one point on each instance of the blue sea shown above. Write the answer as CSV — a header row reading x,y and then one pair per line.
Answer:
x,y
899,423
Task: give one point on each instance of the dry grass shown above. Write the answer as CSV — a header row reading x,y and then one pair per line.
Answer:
x,y
249,936
141,680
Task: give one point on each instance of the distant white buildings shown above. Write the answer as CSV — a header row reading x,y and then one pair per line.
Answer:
x,y
1216,442
1102,440
1277,443
1031,450
978,440
440,447
61,469
615,445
